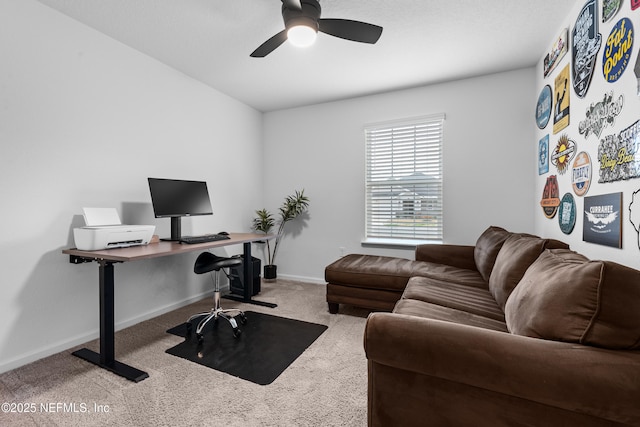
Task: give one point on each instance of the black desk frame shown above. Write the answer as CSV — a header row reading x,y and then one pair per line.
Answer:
x,y
106,357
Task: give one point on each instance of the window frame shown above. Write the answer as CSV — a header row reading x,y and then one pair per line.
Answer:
x,y
414,164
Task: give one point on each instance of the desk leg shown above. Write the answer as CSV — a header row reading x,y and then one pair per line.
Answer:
x,y
247,272
106,358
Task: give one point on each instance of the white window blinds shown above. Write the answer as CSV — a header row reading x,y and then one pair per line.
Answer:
x,y
404,179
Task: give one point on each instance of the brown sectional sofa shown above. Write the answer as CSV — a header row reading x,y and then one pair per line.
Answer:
x,y
516,330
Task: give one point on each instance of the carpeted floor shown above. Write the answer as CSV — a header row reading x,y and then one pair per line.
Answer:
x,y
325,386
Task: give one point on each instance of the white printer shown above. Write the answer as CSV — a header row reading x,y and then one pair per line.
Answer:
x,y
104,230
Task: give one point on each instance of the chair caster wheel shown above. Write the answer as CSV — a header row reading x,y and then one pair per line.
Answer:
x,y
243,319
237,333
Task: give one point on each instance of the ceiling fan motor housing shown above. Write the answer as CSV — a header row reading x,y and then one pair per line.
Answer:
x,y
308,15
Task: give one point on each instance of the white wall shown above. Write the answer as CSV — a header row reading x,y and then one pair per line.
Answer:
x,y
627,86
320,148
84,120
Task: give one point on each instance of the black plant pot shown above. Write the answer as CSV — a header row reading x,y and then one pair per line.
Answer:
x,y
270,271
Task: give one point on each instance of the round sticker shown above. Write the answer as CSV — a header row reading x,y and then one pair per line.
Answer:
x,y
567,213
581,175
543,108
550,197
617,50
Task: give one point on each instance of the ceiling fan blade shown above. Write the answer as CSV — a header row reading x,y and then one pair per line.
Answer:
x,y
351,30
270,45
293,4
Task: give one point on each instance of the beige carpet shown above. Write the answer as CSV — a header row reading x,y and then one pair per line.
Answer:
x,y
325,386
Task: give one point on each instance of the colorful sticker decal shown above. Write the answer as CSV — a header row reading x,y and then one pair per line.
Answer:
x,y
567,213
602,220
634,213
561,109
618,155
636,70
586,44
600,115
558,51
617,52
635,4
543,107
581,176
563,154
543,155
610,8
550,197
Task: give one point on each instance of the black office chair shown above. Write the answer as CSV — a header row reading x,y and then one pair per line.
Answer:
x,y
210,263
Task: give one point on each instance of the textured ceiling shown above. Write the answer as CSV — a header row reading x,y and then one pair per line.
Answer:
x,y
423,42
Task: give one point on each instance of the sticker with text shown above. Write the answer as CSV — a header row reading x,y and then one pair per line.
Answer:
x,y
617,51
586,44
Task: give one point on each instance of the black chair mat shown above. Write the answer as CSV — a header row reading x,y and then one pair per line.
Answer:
x,y
267,346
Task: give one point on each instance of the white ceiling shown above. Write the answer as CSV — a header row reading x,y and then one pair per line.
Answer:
x,y
423,42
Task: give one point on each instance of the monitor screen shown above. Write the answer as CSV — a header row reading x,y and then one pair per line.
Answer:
x,y
176,198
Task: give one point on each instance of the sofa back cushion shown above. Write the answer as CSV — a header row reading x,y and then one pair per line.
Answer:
x,y
486,250
518,252
564,296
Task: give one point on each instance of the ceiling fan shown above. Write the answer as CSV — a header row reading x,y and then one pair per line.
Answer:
x,y
302,23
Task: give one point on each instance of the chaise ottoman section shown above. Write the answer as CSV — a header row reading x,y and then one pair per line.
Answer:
x,y
369,281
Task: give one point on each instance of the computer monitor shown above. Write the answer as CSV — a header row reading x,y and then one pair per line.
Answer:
x,y
174,198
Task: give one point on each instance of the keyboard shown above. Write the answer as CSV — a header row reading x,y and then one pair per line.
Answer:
x,y
190,240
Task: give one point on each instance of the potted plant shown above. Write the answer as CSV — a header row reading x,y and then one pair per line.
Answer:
x,y
291,208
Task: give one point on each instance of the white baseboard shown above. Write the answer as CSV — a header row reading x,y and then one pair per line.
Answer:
x,y
83,338
315,280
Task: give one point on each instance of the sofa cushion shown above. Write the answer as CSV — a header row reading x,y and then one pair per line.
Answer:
x,y
453,295
564,296
450,274
518,252
487,247
370,271
427,310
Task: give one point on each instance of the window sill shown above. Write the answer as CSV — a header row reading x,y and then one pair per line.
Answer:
x,y
397,243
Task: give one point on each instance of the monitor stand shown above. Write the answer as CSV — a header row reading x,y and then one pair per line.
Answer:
x,y
176,229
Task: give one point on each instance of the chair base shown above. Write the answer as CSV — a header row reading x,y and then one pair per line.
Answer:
x,y
214,314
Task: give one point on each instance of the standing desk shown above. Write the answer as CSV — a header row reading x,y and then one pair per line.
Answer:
x,y
108,257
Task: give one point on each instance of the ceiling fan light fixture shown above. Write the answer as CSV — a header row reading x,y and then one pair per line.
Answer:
x,y
302,35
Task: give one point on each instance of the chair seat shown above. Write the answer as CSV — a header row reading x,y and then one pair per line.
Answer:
x,y
207,262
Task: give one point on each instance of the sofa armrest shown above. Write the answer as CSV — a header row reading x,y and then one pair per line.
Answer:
x,y
599,382
460,256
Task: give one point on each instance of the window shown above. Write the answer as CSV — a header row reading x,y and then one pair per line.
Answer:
x,y
404,181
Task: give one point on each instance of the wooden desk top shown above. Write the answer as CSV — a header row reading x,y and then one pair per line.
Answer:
x,y
162,248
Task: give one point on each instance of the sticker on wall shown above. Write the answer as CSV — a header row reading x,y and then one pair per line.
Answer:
x,y
550,197
581,176
600,115
610,8
636,70
561,101
563,154
634,213
567,213
586,44
617,52
635,4
602,220
543,107
558,51
618,155
543,155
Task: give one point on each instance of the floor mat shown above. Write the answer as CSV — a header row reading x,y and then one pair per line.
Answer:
x,y
267,346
